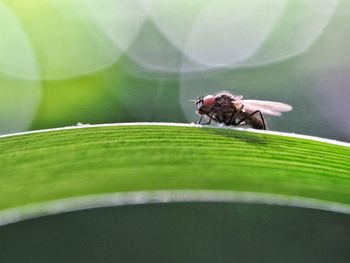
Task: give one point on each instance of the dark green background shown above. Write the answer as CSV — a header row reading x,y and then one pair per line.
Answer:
x,y
181,232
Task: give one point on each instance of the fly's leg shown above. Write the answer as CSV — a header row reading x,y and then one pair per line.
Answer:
x,y
200,119
255,112
234,116
210,118
262,119
219,117
214,118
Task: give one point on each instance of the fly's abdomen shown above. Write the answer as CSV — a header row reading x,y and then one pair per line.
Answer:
x,y
256,123
254,120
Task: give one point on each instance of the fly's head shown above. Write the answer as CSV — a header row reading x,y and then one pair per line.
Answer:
x,y
204,105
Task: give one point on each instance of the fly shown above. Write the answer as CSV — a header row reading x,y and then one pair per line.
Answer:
x,y
232,110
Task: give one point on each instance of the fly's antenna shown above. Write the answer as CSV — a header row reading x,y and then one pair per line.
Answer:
x,y
197,100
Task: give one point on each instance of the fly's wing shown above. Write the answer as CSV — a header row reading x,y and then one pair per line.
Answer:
x,y
267,107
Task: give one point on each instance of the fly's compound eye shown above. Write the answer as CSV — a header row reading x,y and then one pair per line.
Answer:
x,y
208,101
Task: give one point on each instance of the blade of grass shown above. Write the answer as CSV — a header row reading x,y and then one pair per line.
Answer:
x,y
50,165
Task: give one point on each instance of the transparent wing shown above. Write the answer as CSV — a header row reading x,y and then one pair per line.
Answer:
x,y
267,107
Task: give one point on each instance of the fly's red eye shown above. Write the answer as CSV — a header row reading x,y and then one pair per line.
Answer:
x,y
208,100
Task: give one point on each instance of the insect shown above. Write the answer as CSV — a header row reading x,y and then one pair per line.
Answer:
x,y
229,109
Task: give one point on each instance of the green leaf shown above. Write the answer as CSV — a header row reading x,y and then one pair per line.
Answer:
x,y
39,167
172,193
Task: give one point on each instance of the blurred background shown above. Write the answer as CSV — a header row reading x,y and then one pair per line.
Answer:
x,y
64,62
106,61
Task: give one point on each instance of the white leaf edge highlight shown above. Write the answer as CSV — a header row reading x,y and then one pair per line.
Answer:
x,y
17,214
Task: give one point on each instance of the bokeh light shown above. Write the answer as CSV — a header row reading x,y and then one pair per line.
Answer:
x,y
19,97
64,62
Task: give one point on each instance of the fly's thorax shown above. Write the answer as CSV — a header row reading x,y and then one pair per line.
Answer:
x,y
222,97
237,105
223,101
